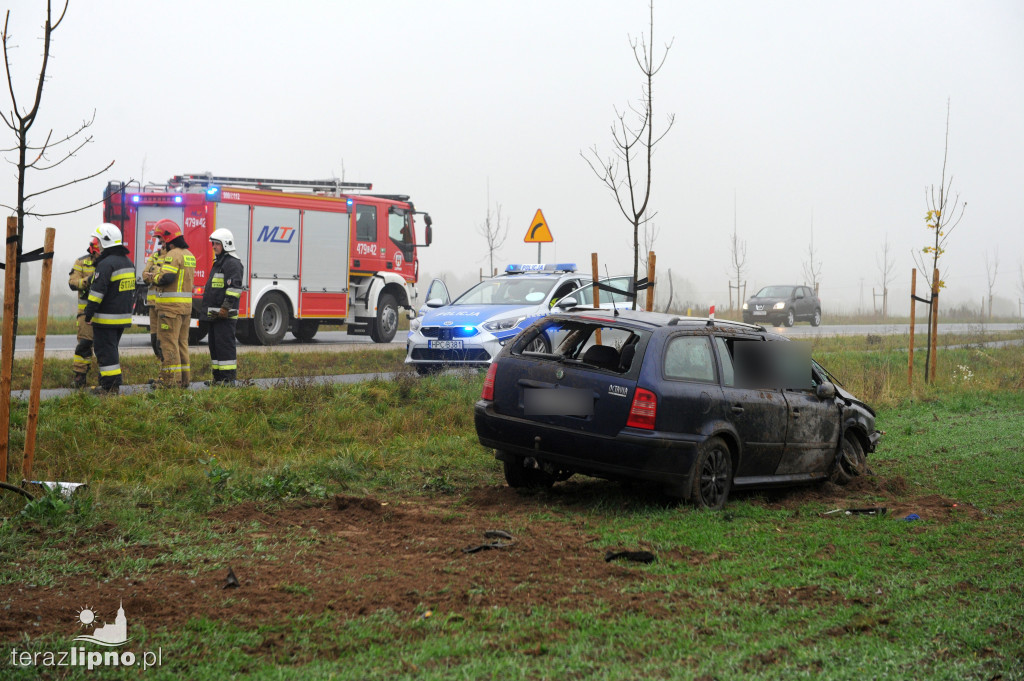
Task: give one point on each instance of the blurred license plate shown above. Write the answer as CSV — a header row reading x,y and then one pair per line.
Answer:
x,y
558,402
760,313
444,345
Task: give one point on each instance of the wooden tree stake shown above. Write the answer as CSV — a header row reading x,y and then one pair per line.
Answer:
x,y
7,354
913,323
37,364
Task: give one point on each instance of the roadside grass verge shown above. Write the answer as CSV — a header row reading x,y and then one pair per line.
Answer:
x,y
140,368
769,588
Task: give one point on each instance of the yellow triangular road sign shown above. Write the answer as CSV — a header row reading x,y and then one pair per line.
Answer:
x,y
538,231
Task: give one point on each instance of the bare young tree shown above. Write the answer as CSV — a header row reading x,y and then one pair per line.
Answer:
x,y
991,270
48,155
738,249
885,266
493,231
627,173
812,266
650,236
1020,286
942,218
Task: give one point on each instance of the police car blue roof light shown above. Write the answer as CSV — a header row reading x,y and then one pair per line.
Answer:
x,y
541,267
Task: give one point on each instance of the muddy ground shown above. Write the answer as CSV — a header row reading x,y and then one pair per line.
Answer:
x,y
356,556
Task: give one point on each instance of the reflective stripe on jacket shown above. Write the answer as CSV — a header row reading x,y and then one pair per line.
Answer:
x,y
224,287
111,295
176,297
79,278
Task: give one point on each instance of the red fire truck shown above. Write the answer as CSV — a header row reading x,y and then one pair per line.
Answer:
x,y
315,252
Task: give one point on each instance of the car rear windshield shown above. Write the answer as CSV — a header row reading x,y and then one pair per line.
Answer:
x,y
513,291
594,343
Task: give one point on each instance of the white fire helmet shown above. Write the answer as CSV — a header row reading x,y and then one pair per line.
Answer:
x,y
226,239
108,234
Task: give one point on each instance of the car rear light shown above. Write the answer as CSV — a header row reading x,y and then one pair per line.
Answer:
x,y
642,411
488,392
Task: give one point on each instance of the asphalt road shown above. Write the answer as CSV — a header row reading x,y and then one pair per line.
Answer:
x,y
339,341
61,345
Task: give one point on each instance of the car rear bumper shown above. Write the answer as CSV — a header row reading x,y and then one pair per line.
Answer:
x,y
632,453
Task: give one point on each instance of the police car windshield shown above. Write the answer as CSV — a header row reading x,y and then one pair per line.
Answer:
x,y
507,291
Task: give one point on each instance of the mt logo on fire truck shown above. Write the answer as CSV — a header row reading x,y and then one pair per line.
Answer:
x,y
354,260
272,235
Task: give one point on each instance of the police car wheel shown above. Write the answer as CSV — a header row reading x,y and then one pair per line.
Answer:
x,y
383,329
539,344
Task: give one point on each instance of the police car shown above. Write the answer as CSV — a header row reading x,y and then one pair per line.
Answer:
x,y
471,330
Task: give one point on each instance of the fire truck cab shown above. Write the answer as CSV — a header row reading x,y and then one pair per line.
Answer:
x,y
315,252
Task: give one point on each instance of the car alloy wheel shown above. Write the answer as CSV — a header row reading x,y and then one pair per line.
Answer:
x,y
712,475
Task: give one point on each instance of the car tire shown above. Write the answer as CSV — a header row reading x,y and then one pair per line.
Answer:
x,y
520,476
712,475
816,319
850,462
384,327
539,344
790,318
272,319
305,329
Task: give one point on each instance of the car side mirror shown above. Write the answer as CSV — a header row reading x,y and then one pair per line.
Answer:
x,y
435,302
825,391
566,303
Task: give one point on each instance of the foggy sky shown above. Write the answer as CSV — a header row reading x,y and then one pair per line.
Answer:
x,y
814,115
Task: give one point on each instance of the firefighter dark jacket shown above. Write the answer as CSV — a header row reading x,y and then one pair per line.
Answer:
x,y
173,285
224,287
112,293
79,278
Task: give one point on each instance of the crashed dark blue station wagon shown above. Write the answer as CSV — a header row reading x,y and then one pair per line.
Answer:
x,y
698,405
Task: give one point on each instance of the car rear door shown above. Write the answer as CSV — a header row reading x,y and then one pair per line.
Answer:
x,y
690,394
758,412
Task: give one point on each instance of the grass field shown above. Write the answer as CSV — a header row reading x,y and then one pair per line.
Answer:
x,y
343,511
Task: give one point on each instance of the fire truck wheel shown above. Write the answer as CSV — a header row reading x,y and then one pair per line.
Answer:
x,y
271,320
243,332
305,329
197,334
385,326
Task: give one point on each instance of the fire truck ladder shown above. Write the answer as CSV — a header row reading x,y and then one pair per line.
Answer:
x,y
205,179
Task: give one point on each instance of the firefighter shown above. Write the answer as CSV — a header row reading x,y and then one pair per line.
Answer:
x,y
173,286
220,302
109,305
79,279
149,274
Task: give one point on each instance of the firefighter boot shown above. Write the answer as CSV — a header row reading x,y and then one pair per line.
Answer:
x,y
186,379
78,382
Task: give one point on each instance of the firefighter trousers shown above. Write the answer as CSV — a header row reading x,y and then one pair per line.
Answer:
x,y
83,350
154,324
106,339
173,337
223,355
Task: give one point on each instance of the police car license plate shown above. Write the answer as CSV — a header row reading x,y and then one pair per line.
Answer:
x,y
445,345
760,313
